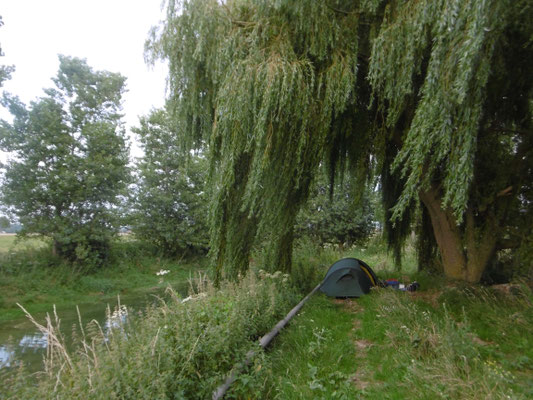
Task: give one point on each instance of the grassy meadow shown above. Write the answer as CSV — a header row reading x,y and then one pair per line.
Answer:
x,y
9,242
445,341
31,276
395,345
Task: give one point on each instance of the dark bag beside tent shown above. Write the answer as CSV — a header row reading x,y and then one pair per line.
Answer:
x,y
348,277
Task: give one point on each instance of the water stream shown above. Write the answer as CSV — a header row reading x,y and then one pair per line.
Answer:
x,y
20,340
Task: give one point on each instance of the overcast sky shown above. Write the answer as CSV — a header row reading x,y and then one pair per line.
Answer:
x,y
110,34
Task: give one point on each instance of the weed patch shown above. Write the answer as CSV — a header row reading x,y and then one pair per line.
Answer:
x,y
181,349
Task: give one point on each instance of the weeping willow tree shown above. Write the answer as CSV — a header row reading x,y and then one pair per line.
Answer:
x,y
429,96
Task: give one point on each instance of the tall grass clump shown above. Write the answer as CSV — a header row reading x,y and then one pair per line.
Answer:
x,y
501,316
436,351
180,349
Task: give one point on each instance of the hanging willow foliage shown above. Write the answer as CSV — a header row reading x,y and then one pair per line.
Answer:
x,y
276,87
261,82
453,40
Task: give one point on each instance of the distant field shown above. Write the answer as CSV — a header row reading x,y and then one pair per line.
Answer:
x,y
9,241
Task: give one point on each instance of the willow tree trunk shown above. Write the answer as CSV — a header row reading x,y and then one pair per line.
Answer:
x,y
465,249
280,256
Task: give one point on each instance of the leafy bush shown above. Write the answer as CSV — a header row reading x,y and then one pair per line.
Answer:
x,y
16,262
343,218
180,349
310,264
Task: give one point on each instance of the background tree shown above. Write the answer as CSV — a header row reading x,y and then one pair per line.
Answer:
x,y
170,205
5,74
331,215
422,94
5,70
68,168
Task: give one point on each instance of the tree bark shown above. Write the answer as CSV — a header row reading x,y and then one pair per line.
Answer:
x,y
480,244
447,235
56,248
465,250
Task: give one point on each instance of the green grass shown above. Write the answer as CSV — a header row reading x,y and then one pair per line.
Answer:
x,y
447,341
10,242
397,345
430,348
314,358
176,350
375,254
35,279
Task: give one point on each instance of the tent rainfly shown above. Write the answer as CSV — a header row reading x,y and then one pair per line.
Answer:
x,y
348,277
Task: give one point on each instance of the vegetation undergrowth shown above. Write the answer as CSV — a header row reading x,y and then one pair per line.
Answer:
x,y
428,347
33,277
448,340
176,350
314,357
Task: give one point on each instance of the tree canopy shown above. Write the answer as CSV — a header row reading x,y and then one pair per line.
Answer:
x,y
5,70
169,207
331,216
69,158
418,93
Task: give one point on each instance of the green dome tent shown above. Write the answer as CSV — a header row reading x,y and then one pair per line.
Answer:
x,y
348,277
